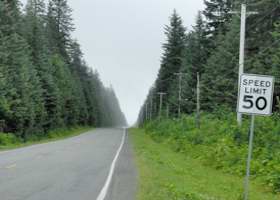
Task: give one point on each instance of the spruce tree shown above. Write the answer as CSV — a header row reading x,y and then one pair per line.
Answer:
x,y
220,80
173,56
24,110
59,26
79,73
196,55
217,13
66,86
267,60
34,32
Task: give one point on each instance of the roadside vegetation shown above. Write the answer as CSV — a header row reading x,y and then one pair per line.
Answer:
x,y
199,74
179,161
45,83
10,141
221,144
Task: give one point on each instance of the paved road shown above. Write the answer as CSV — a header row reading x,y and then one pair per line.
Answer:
x,y
73,169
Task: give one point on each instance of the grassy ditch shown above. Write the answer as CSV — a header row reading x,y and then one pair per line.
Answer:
x,y
166,174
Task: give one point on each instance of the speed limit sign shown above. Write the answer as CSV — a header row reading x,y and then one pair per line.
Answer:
x,y
255,94
255,98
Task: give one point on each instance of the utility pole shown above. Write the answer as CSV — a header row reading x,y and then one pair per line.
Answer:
x,y
242,51
151,108
180,76
244,14
155,107
147,116
167,111
198,102
160,101
278,102
142,118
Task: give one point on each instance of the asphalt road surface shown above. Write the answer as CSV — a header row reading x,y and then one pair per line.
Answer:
x,y
97,165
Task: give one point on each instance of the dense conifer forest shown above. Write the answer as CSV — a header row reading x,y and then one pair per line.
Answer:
x,y
211,49
45,83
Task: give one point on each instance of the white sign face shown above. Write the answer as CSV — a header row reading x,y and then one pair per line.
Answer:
x,y
255,94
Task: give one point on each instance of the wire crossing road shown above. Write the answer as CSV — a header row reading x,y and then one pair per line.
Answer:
x,y
77,168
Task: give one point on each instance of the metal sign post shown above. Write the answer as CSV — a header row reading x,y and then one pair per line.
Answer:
x,y
255,98
250,150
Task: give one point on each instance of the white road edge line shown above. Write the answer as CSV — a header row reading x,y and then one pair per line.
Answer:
x,y
105,188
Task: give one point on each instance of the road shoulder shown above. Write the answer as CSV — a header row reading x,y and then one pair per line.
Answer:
x,y
124,182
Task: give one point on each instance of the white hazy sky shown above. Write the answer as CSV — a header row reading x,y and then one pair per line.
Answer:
x,y
122,39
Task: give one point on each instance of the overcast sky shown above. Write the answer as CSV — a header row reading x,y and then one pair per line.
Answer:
x,y
122,39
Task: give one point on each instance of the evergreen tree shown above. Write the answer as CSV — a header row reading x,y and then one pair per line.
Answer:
x,y
59,26
220,80
196,55
173,49
34,33
267,60
217,13
259,24
93,97
117,117
172,59
79,73
23,96
66,86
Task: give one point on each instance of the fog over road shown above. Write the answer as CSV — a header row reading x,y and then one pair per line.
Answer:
x,y
72,169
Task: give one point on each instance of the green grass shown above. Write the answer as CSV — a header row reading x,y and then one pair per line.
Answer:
x,y
168,175
8,141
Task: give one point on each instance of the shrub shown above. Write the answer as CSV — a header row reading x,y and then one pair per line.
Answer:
x,y
8,139
221,143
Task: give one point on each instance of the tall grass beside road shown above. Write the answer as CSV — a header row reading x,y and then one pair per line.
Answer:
x,y
178,161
